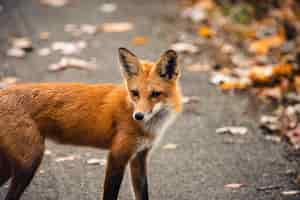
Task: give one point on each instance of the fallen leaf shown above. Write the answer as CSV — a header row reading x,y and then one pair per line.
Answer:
x,y
206,31
116,27
271,92
170,146
69,48
182,47
8,81
263,46
140,40
297,83
23,43
54,3
44,52
270,123
290,192
69,28
228,49
44,35
88,29
16,52
95,161
108,7
234,185
48,152
273,138
261,74
233,130
190,99
67,158
69,62
195,13
238,84
283,70
269,187
294,136
219,78
198,67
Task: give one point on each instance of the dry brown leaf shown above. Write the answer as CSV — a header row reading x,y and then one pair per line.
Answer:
x,y
116,27
140,40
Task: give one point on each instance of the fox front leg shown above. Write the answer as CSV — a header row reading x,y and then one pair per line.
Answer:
x,y
119,155
138,169
114,176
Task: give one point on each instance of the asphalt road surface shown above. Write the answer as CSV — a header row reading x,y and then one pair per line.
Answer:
x,y
203,161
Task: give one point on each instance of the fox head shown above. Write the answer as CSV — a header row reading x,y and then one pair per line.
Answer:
x,y
153,87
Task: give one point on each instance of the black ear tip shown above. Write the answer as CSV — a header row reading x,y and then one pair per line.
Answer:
x,y
122,49
171,53
125,51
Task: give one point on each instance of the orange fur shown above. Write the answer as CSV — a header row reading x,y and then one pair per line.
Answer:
x,y
98,115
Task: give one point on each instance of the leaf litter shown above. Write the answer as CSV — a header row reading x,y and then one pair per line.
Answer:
x,y
232,130
19,47
264,57
54,3
72,62
116,27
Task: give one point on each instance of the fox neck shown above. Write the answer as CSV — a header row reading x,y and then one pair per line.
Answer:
x,y
159,123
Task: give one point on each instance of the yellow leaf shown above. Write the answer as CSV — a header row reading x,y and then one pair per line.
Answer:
x,y
297,84
140,40
261,74
263,46
234,85
206,31
283,69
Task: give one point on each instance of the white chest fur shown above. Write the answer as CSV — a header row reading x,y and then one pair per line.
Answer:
x,y
156,126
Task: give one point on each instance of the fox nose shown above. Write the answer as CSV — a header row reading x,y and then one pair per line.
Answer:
x,y
138,116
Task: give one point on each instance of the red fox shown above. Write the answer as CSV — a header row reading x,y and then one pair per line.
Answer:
x,y
126,119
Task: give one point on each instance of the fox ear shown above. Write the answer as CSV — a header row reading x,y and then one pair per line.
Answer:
x,y
129,62
167,66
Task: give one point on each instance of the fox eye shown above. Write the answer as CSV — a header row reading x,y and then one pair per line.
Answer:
x,y
155,94
134,93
